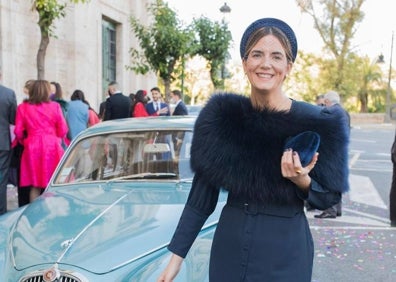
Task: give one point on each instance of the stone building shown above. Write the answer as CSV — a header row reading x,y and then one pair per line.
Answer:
x,y
91,47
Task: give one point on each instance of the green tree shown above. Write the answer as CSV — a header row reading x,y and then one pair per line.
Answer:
x,y
163,44
369,83
305,77
48,11
336,25
315,75
212,42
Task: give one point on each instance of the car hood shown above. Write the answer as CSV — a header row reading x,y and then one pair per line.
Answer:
x,y
97,228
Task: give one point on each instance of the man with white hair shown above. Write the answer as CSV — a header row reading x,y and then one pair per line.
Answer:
x,y
332,99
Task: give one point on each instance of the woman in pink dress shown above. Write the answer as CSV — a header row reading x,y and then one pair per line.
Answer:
x,y
39,127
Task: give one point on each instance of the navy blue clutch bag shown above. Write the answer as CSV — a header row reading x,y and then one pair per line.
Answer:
x,y
306,144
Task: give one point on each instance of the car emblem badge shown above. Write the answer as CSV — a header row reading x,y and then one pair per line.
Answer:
x,y
51,274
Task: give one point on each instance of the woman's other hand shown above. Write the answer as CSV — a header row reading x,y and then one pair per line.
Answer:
x,y
171,270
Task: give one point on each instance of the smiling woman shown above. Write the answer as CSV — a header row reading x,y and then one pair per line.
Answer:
x,y
239,145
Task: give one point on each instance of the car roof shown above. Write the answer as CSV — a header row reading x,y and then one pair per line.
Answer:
x,y
128,124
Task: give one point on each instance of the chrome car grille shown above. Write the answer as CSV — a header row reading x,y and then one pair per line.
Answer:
x,y
38,276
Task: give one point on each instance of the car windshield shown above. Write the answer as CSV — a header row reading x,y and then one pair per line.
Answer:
x,y
129,156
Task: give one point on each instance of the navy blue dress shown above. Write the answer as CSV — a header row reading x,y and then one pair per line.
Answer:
x,y
263,233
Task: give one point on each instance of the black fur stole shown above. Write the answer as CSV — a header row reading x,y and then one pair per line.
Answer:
x,y
238,148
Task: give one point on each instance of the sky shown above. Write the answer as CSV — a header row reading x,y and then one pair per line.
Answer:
x,y
373,37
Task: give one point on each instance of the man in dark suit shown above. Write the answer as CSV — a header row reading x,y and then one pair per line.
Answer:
x,y
102,106
8,106
156,107
179,110
180,107
117,105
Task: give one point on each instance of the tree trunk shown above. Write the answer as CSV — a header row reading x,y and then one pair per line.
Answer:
x,y
215,76
41,56
363,103
167,84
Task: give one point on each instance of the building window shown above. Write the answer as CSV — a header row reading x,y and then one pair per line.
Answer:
x,y
108,52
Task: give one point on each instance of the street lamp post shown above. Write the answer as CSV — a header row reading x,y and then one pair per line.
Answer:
x,y
182,76
389,89
225,8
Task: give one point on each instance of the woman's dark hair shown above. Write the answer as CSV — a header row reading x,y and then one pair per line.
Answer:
x,y
58,90
78,95
140,96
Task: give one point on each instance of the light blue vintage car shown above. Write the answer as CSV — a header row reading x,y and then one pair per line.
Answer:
x,y
110,209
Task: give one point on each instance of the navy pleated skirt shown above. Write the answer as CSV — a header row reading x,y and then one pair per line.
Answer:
x,y
253,246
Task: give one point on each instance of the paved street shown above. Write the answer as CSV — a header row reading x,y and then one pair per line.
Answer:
x,y
359,245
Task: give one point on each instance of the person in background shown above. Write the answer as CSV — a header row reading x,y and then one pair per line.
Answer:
x,y
78,114
93,116
132,97
117,105
156,107
39,127
320,100
139,107
57,96
179,109
23,192
176,99
262,149
332,99
102,106
8,105
26,88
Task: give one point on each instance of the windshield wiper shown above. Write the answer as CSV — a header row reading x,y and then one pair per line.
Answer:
x,y
148,175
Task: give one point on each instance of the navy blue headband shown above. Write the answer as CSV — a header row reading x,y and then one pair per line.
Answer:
x,y
270,22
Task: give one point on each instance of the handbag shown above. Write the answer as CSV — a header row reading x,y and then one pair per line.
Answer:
x,y
306,144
